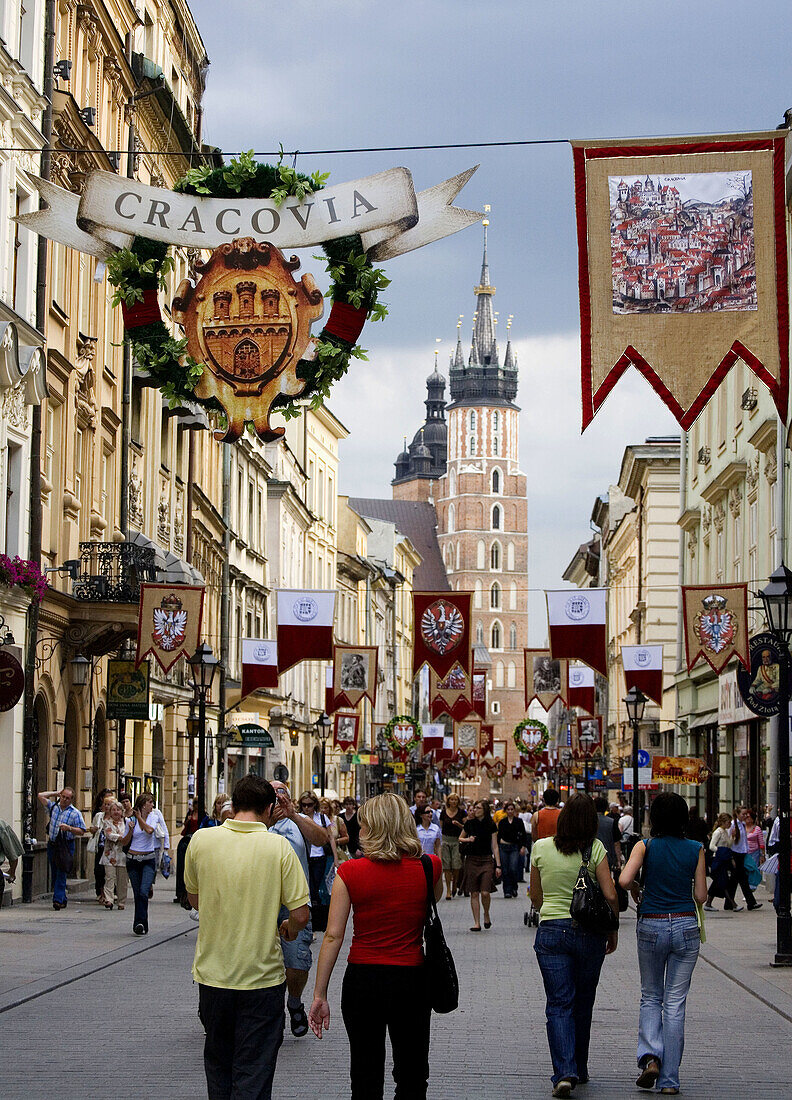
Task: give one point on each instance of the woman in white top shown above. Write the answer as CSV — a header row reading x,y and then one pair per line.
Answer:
x,y
144,846
96,843
429,834
115,830
721,865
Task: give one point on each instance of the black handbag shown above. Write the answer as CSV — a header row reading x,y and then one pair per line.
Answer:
x,y
62,853
588,908
441,971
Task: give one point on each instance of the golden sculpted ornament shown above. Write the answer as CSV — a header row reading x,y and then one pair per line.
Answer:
x,y
249,323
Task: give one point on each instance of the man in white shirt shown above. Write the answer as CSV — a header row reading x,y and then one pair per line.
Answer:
x,y
739,876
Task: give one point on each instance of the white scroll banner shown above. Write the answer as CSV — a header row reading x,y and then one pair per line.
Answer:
x,y
384,209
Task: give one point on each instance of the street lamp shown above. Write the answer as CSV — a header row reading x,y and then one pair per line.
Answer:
x,y
776,598
635,701
323,725
566,760
79,666
203,665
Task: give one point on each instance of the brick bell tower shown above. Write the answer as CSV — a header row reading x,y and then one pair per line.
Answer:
x,y
482,511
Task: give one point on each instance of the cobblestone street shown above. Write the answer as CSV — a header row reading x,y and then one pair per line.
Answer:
x,y
82,1001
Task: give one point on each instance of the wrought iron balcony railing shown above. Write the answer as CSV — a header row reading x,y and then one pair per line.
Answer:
x,y
112,572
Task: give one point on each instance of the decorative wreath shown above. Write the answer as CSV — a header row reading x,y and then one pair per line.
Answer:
x,y
536,747
137,273
403,720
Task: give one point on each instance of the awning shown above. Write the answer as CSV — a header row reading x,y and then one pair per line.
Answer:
x,y
710,718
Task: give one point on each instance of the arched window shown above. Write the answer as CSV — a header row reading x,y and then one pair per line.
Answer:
x,y
472,421
495,421
511,674
512,596
498,673
480,552
496,517
496,445
458,554
513,636
477,594
472,445
496,481
510,556
495,556
451,518
495,636
479,634
495,595
452,483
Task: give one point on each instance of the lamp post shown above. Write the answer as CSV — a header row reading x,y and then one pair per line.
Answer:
x,y
323,725
635,701
586,740
566,760
203,665
777,600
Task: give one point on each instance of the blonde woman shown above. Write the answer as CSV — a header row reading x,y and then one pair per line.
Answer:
x,y
384,986
115,829
452,822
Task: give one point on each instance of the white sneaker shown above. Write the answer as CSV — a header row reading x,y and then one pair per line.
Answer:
x,y
194,915
709,908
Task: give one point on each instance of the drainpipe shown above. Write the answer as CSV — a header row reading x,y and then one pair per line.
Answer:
x,y
683,453
780,554
225,603
29,733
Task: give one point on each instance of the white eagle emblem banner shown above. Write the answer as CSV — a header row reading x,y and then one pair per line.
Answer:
x,y
169,622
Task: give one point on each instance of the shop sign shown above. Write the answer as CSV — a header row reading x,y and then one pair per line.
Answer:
x,y
251,735
759,687
731,708
128,690
12,680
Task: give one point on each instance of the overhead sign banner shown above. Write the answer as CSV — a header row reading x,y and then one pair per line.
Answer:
x,y
582,691
682,265
643,669
384,209
259,665
255,736
479,699
433,736
305,626
354,674
169,622
589,735
345,731
679,769
716,624
442,630
450,694
127,690
545,678
576,621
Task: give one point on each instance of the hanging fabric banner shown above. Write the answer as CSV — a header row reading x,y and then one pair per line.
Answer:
x,y
354,674
589,735
544,677
682,266
330,700
486,739
442,630
259,665
169,622
345,731
480,692
582,690
576,622
305,627
450,694
433,736
467,736
716,624
643,669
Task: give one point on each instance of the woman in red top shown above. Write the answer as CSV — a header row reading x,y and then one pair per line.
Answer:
x,y
384,985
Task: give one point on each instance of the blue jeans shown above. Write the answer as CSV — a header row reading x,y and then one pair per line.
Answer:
x,y
141,879
570,960
667,952
510,865
58,879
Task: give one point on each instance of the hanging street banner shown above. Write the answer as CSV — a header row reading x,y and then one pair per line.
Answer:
x,y
259,665
433,737
589,735
169,622
354,675
127,690
442,630
384,209
345,731
582,692
254,736
479,698
544,678
679,769
716,624
760,686
643,669
467,736
305,626
682,266
576,621
450,694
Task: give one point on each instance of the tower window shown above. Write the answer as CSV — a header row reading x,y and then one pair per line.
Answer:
x,y
496,481
496,518
495,595
495,636
472,422
479,634
495,445
495,421
513,636
495,556
472,445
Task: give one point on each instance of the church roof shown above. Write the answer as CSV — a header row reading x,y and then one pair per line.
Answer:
x,y
418,521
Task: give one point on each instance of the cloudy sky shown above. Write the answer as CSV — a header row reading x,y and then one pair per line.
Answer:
x,y
357,73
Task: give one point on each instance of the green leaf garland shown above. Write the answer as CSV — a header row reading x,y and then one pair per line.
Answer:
x,y
402,720
522,744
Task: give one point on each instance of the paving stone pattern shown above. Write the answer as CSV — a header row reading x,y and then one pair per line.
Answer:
x,y
132,1026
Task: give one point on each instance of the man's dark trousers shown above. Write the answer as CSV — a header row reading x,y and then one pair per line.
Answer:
x,y
244,1031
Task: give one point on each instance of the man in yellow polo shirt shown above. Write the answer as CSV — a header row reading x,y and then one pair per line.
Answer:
x,y
237,876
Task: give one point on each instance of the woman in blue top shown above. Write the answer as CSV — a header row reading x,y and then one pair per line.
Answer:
x,y
674,879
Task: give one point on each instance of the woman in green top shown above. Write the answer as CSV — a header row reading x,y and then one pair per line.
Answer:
x,y
570,958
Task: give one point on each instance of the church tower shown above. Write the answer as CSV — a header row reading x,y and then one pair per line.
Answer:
x,y
482,509
424,461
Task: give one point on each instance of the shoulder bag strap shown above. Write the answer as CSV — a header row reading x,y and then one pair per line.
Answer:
x,y
431,904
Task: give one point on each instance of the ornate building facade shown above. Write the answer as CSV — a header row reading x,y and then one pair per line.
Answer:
x,y
479,494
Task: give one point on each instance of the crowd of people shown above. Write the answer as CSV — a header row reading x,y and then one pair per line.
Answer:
x,y
263,874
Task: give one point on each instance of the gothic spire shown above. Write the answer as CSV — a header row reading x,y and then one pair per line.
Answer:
x,y
483,348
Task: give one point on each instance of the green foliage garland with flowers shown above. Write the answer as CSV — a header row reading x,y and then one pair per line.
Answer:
x,y
522,744
146,265
403,720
